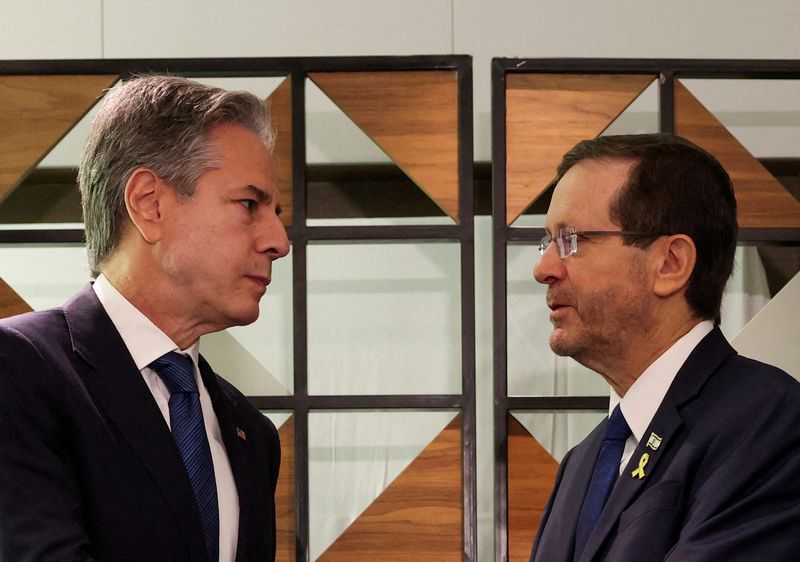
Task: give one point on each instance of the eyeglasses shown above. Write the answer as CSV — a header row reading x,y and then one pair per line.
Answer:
x,y
567,238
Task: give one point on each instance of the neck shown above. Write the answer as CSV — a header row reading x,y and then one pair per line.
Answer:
x,y
153,298
622,368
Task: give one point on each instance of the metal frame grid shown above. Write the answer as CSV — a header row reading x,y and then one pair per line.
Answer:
x,y
300,234
667,71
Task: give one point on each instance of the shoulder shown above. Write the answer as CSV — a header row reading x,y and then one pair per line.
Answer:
x,y
753,383
33,325
29,339
716,376
746,411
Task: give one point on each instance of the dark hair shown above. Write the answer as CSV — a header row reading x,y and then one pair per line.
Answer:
x,y
674,187
161,123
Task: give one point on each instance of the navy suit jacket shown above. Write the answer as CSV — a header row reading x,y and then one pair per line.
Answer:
x,y
88,465
724,483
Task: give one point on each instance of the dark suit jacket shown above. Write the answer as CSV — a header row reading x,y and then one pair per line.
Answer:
x,y
88,466
723,485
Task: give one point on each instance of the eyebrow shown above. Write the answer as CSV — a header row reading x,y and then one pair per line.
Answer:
x,y
262,196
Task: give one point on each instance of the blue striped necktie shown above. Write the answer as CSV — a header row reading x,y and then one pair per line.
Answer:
x,y
189,432
606,472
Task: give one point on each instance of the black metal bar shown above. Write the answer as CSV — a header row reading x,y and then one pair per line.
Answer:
x,y
666,102
469,457
779,236
693,68
388,232
789,236
557,403
363,402
300,316
499,303
242,66
57,236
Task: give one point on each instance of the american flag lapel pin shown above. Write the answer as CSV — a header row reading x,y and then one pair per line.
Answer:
x,y
240,432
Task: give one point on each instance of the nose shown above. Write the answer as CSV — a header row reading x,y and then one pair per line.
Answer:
x,y
275,241
550,267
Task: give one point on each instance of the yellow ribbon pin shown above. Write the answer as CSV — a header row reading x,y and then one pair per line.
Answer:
x,y
642,463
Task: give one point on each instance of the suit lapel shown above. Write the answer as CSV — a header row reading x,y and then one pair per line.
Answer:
x,y
120,391
665,423
699,366
558,535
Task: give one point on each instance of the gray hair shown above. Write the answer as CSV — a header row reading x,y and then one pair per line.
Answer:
x,y
160,123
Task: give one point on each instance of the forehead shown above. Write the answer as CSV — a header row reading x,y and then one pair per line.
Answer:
x,y
244,156
582,198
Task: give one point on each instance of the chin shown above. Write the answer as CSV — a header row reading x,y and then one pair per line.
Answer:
x,y
560,344
244,317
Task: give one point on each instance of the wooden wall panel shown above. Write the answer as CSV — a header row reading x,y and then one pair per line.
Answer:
x,y
412,116
418,516
531,475
10,302
35,113
281,104
762,202
546,115
284,496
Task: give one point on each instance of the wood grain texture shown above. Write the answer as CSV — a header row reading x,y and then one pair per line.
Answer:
x,y
531,475
35,113
284,496
412,116
418,516
546,115
761,200
280,101
10,302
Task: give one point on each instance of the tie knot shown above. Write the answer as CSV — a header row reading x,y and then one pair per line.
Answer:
x,y
617,428
176,371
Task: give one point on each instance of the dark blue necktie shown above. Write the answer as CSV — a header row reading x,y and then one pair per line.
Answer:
x,y
606,472
189,432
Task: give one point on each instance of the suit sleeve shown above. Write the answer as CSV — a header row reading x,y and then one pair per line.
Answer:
x,y
749,506
41,517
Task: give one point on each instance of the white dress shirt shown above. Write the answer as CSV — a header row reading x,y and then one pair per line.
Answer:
x,y
643,398
146,343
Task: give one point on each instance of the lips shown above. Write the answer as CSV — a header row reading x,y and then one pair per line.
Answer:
x,y
264,281
554,302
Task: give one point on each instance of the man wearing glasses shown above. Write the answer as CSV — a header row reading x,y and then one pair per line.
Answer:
x,y
699,459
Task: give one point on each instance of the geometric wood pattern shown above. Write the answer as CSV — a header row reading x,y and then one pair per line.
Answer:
x,y
762,202
418,516
35,113
284,496
10,302
280,101
412,117
531,475
546,115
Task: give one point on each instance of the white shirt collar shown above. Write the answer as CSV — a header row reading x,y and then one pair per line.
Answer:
x,y
144,340
643,398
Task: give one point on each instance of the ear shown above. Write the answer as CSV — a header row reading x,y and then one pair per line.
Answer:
x,y
676,256
143,194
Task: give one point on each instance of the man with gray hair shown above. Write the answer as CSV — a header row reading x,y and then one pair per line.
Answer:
x,y
117,440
